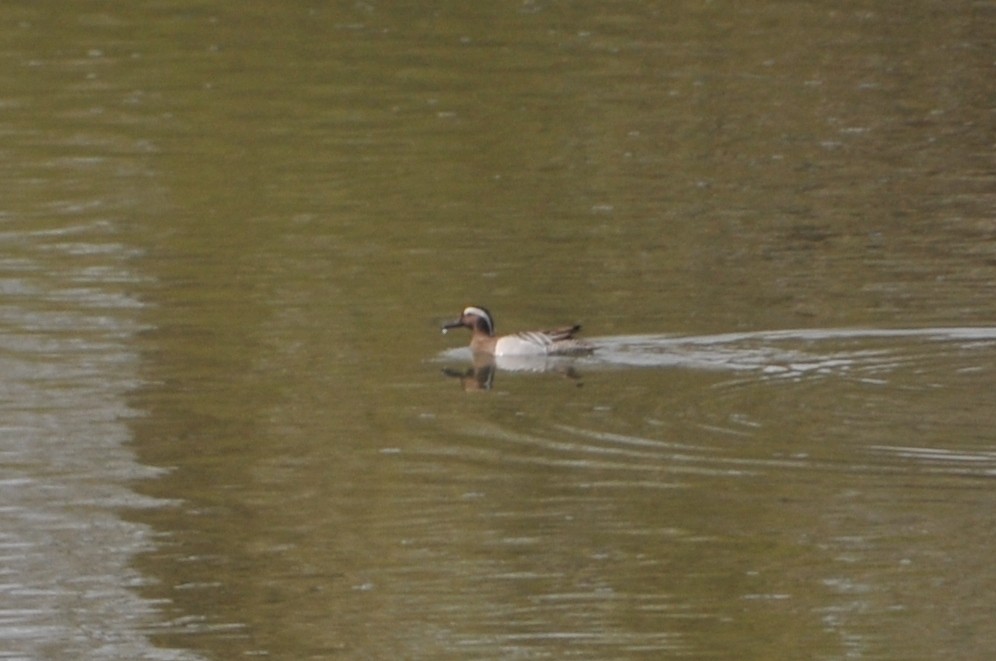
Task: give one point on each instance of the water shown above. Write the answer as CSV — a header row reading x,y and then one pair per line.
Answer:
x,y
230,428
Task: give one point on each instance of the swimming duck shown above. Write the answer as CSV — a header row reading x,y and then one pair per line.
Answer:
x,y
556,342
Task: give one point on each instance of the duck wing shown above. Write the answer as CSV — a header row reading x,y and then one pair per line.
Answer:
x,y
561,334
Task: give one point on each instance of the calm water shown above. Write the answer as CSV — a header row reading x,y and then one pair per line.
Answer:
x,y
230,427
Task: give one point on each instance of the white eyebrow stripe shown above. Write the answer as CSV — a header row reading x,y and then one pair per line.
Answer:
x,y
483,314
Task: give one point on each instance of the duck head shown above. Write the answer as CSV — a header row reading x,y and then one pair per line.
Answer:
x,y
477,319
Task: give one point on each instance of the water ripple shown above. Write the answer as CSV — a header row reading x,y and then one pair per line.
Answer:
x,y
764,351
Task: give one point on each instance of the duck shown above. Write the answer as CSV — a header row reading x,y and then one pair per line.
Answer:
x,y
555,342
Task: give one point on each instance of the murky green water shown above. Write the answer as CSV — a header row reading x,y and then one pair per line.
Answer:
x,y
230,427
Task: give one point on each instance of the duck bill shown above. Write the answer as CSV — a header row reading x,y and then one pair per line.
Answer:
x,y
453,324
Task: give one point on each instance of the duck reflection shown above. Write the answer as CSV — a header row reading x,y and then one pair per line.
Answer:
x,y
481,374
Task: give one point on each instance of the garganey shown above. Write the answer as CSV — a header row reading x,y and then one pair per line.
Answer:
x,y
556,342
